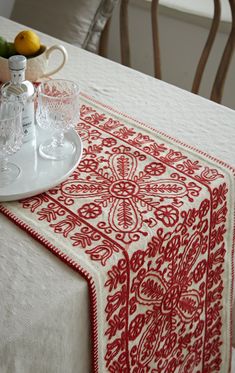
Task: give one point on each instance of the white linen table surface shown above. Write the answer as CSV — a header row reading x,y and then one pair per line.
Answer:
x,y
44,308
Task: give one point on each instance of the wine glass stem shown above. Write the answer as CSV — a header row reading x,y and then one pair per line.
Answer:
x,y
58,140
3,164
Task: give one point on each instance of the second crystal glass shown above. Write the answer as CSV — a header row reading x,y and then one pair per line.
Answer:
x,y
11,136
58,109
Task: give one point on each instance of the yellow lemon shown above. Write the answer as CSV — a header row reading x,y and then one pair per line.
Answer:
x,y
27,43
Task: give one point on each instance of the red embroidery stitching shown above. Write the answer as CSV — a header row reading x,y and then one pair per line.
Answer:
x,y
165,225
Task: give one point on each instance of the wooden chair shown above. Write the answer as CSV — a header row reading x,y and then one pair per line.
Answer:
x,y
218,85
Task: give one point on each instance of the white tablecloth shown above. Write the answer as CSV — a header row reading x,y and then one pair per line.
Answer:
x,y
44,319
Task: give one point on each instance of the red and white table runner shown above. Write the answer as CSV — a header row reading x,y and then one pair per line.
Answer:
x,y
149,222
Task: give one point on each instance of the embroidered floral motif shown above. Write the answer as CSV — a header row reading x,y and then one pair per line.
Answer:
x,y
90,211
152,222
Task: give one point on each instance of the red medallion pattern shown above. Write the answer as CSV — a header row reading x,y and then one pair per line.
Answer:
x,y
152,218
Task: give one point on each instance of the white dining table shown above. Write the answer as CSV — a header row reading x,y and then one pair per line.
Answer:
x,y
44,307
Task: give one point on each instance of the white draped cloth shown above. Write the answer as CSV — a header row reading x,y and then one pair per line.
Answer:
x,y
44,305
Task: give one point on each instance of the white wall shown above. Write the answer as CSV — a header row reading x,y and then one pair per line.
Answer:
x,y
6,7
181,44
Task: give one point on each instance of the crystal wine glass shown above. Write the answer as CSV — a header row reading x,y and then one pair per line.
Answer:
x,y
58,109
11,138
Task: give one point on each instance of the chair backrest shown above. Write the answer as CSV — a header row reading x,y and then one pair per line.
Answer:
x,y
79,22
217,89
219,81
